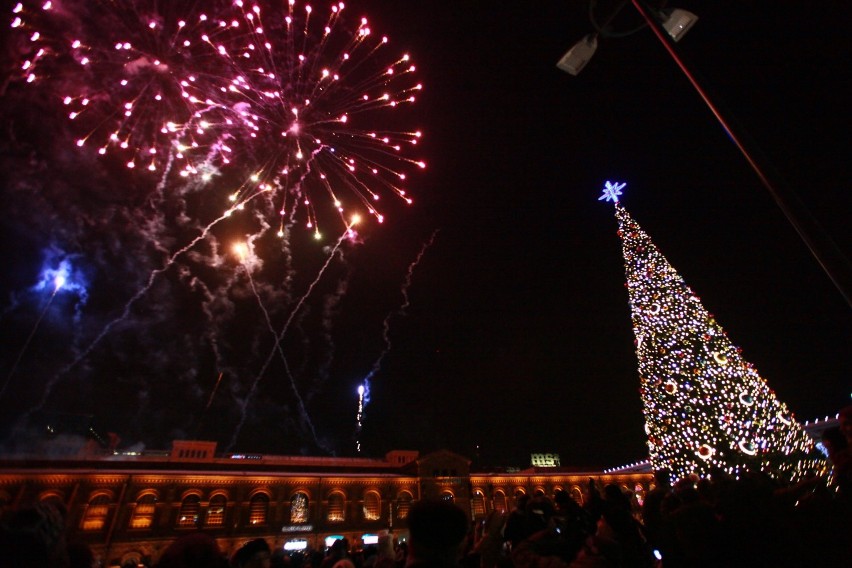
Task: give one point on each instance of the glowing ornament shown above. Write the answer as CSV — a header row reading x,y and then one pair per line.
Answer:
x,y
720,358
747,448
705,452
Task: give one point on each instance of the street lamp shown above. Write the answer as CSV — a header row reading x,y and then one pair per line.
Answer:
x,y
676,22
670,25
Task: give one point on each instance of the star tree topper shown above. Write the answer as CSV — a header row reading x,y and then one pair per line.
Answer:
x,y
612,191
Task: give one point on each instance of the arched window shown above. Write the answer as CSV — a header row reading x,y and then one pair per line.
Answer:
x,y
189,510
372,506
577,494
94,519
299,508
216,511
500,502
478,504
448,496
143,513
336,507
53,498
518,495
258,509
539,492
403,504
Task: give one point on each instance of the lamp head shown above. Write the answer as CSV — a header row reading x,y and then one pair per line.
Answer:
x,y
576,58
677,22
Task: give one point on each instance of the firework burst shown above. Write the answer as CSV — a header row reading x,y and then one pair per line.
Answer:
x,y
297,103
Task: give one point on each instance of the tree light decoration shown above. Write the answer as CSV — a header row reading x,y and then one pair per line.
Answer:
x,y
706,408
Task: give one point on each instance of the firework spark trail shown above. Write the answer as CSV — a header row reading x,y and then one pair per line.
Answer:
x,y
277,347
363,393
59,283
271,328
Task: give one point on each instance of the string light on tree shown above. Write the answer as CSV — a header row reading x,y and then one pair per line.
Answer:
x,y
705,406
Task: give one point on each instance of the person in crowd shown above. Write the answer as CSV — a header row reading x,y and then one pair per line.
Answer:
x,y
385,554
516,523
253,554
488,541
34,536
838,448
280,559
400,555
552,539
437,530
195,550
844,418
338,555
80,555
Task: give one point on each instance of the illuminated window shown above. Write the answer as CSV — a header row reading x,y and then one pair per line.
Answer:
x,y
216,511
403,504
336,507
258,508
448,496
478,504
143,514
189,509
372,506
500,502
299,509
94,519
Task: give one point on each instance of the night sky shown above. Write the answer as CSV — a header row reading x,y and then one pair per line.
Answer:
x,y
493,310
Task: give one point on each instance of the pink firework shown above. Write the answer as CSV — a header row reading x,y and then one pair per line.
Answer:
x,y
300,104
133,80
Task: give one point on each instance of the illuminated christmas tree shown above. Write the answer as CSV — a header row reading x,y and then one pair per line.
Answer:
x,y
705,406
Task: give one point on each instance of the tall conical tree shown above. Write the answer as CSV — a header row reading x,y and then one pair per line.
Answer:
x,y
705,406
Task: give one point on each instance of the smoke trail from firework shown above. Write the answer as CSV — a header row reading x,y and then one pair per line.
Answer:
x,y
277,347
48,390
401,311
364,387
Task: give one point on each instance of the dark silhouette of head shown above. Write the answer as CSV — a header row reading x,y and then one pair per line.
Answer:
x,y
437,529
196,550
